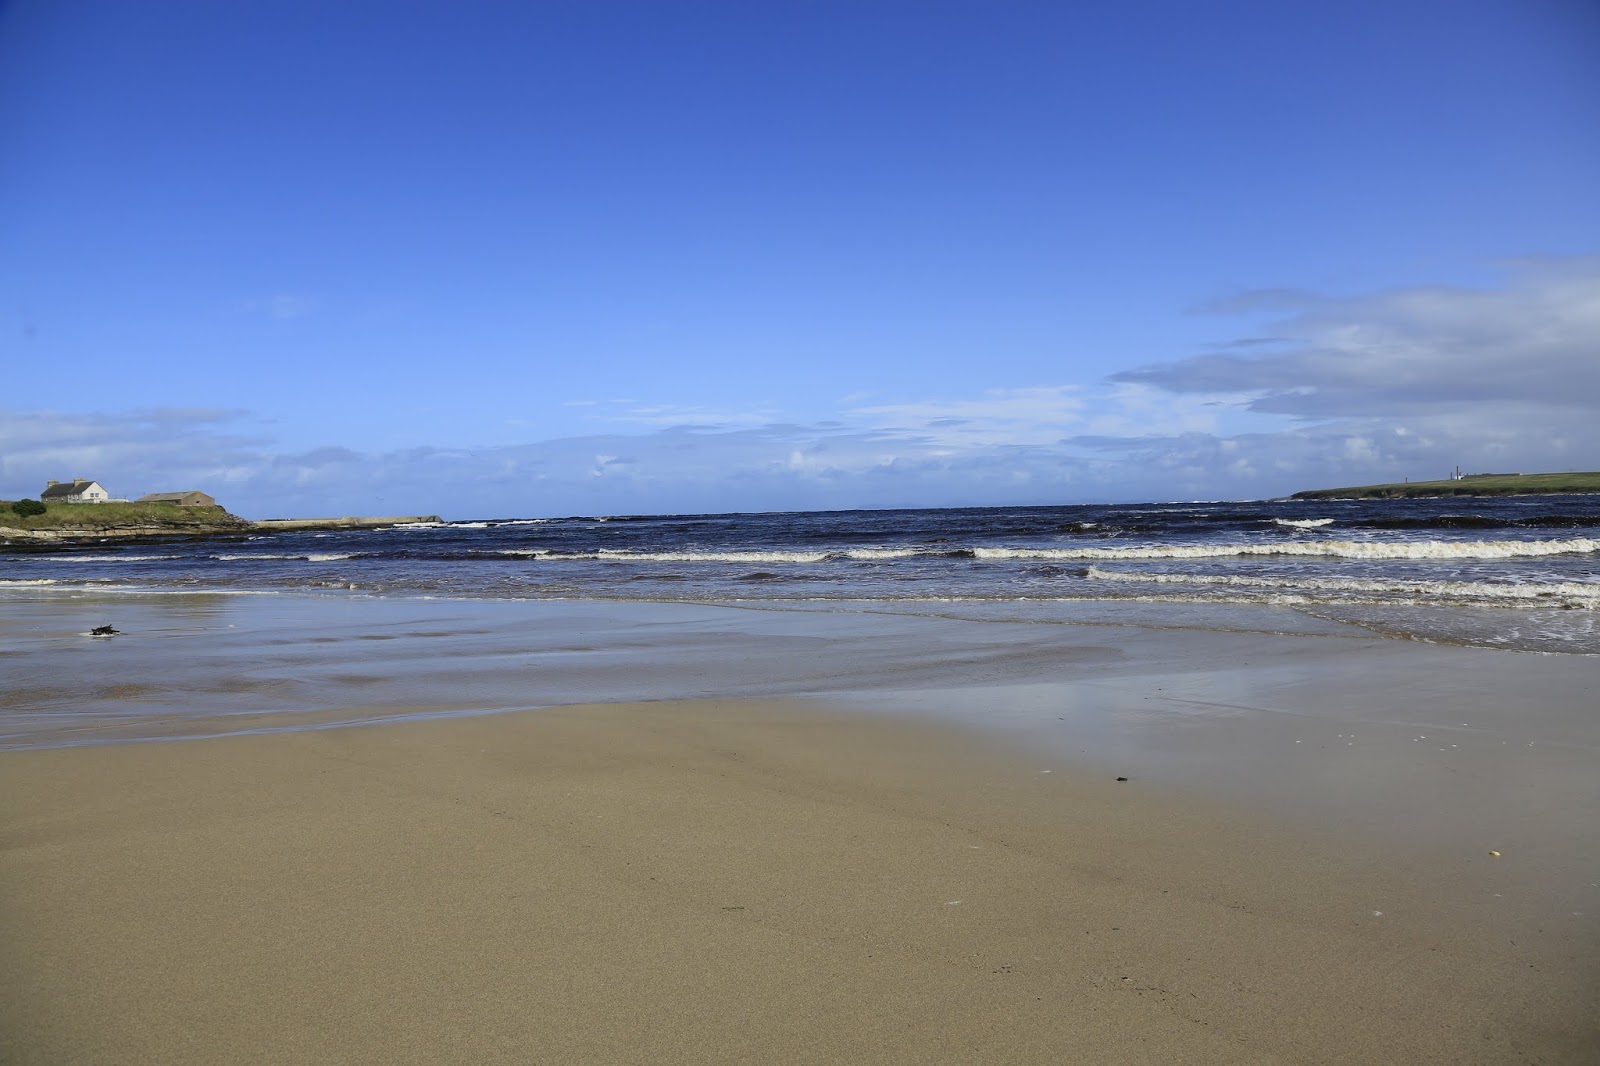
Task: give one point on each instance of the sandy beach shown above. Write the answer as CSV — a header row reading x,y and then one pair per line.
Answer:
x,y
881,856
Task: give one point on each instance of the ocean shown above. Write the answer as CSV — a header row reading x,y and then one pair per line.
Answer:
x,y
1514,572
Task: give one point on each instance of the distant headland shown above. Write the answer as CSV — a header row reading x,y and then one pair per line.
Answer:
x,y
82,509
80,521
1467,485
77,522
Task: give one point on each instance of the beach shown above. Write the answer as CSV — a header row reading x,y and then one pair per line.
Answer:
x,y
785,836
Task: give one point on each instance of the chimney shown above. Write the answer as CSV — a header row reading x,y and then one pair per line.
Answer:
x,y
51,483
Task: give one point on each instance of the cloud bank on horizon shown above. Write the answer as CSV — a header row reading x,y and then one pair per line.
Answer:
x,y
1403,383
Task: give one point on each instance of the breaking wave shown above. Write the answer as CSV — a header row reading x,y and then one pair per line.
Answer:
x,y
1567,593
76,557
308,557
1337,549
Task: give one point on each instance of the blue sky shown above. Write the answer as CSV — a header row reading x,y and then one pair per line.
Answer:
x,y
551,258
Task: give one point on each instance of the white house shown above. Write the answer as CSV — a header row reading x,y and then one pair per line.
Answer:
x,y
78,490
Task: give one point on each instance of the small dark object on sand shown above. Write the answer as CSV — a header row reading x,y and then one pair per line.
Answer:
x,y
103,631
1122,779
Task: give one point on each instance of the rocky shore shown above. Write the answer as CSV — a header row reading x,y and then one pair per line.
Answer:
x,y
92,524
72,522
66,523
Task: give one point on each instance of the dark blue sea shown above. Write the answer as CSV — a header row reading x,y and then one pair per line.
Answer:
x,y
1519,572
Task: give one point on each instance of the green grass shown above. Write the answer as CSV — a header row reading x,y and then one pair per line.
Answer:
x,y
1510,485
90,516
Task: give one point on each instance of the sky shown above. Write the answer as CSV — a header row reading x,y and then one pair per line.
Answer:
x,y
526,259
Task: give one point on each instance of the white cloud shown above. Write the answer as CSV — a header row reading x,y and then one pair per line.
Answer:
x,y
1037,415
1413,351
1406,382
631,412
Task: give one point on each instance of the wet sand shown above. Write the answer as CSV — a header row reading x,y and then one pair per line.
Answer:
x,y
914,871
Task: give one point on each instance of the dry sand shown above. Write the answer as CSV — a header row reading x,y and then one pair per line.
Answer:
x,y
738,882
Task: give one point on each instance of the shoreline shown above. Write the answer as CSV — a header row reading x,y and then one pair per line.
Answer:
x,y
252,657
786,836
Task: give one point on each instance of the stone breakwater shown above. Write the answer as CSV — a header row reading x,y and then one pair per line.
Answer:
x,y
348,522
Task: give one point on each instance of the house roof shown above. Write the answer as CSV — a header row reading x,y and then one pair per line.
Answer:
x,y
64,488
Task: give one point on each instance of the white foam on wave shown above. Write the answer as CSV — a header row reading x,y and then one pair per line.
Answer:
x,y
69,558
10,581
875,554
1338,549
1569,593
310,557
710,557
1303,523
854,554
620,556
192,590
79,586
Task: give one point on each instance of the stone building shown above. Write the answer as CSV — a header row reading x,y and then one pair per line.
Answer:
x,y
192,498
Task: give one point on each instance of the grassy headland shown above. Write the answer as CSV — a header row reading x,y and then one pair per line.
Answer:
x,y
1492,485
62,521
